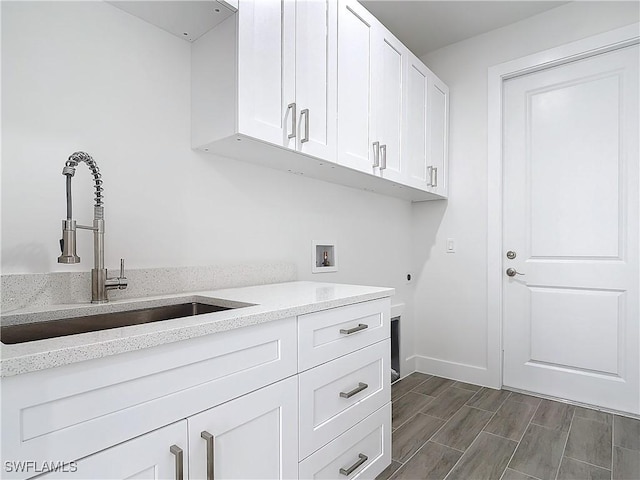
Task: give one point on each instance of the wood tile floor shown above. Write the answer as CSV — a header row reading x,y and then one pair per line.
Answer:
x,y
453,430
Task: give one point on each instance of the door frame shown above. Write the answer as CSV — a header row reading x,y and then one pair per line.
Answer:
x,y
597,44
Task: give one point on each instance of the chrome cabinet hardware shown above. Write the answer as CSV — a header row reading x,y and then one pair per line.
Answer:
x,y
383,157
376,154
305,112
179,454
512,272
361,386
349,331
210,452
348,471
434,183
511,254
292,107
430,176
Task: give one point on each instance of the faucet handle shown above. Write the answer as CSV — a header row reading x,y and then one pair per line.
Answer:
x,y
122,268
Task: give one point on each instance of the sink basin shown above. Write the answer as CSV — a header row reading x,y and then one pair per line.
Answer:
x,y
11,334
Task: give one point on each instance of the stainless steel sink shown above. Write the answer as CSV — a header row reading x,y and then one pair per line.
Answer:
x,y
11,334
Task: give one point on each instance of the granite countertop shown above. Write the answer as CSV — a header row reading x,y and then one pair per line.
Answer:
x,y
268,303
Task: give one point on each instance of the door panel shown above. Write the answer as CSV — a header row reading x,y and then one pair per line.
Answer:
x,y
316,76
355,116
571,322
146,457
251,435
416,124
574,132
265,74
438,111
390,82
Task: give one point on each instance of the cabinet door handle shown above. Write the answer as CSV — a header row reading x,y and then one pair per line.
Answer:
x,y
210,453
349,331
383,157
292,107
435,176
361,386
376,154
177,451
430,175
305,112
348,471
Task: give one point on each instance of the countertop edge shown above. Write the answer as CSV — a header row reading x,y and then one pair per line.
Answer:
x,y
13,363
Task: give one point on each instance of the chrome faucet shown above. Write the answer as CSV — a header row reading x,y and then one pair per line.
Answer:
x,y
100,282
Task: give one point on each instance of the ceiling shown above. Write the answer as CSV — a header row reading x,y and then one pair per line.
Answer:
x,y
427,25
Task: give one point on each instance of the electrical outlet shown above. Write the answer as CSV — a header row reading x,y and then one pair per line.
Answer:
x,y
451,245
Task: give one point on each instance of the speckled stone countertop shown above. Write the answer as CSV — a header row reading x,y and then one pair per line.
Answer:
x,y
268,303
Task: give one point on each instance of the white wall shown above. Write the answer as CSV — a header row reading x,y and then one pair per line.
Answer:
x,y
451,296
87,76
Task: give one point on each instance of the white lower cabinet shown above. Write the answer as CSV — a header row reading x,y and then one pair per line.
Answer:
x,y
363,451
230,405
250,437
149,457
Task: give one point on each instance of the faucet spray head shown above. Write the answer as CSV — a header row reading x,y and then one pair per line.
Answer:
x,y
68,243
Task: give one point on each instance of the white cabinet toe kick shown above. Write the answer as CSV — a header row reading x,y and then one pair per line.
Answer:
x,y
301,397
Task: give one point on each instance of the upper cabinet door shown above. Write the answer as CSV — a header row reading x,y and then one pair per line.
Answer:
x,y
416,138
356,118
316,77
390,64
266,69
438,108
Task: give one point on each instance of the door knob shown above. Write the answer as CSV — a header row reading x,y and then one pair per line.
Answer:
x,y
512,272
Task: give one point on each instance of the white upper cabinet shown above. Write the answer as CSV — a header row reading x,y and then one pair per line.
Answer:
x,y
389,80
356,115
324,78
269,73
425,129
265,57
416,139
438,119
316,77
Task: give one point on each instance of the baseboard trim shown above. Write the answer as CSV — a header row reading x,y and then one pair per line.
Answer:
x,y
455,371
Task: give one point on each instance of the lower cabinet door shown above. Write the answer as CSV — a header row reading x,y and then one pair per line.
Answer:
x,y
252,437
160,454
363,451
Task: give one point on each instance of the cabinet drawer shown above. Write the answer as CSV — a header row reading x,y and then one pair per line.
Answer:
x,y
75,410
325,335
370,438
339,394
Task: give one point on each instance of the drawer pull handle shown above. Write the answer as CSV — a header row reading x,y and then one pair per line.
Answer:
x,y
210,452
348,471
177,451
361,326
361,386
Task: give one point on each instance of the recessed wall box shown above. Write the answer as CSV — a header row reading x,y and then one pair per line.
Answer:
x,y
324,257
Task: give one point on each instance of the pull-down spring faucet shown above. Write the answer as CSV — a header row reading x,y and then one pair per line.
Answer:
x,y
100,283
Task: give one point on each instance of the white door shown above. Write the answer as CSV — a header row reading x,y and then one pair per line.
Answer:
x,y
251,437
148,457
391,63
317,77
571,320
356,118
